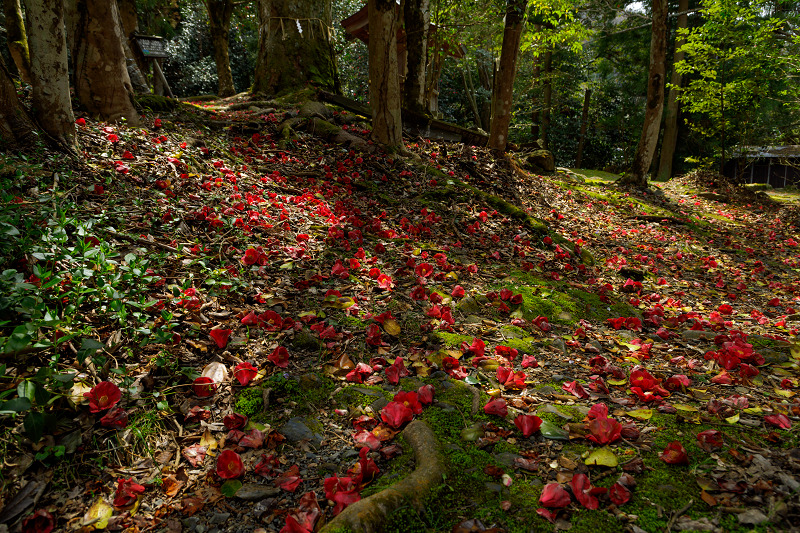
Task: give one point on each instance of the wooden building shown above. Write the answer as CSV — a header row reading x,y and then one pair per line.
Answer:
x,y
778,166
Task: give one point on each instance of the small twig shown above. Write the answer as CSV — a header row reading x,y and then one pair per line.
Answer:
x,y
678,514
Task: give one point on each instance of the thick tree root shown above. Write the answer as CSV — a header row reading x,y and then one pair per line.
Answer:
x,y
370,514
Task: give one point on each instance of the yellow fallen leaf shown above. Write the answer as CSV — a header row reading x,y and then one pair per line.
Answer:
x,y
641,414
98,514
602,457
732,419
391,327
685,407
208,440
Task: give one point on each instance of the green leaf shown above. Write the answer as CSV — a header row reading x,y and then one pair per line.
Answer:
x,y
34,425
230,488
552,431
16,405
26,389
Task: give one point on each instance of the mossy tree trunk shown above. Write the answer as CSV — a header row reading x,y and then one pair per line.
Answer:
x,y
416,18
48,49
655,98
503,93
17,38
219,17
102,84
384,78
294,46
16,127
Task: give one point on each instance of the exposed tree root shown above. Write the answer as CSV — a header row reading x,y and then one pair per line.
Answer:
x,y
369,514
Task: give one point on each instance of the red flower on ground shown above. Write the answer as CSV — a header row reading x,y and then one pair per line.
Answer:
x,y
457,292
342,491
425,394
674,454
234,421
396,414
496,406
365,470
710,440
603,430
582,489
116,418
220,336
40,521
507,352
279,357
779,420
598,410
409,399
244,373
619,494
528,424
229,465
643,379
554,495
104,395
576,389
543,323
127,492
204,386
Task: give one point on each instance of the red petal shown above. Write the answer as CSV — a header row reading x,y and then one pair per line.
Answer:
x,y
554,495
675,454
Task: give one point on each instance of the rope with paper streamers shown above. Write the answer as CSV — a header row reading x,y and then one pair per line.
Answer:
x,y
324,26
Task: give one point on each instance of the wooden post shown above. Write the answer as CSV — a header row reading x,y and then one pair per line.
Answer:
x,y
158,74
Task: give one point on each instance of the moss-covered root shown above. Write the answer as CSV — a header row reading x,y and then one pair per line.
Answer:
x,y
369,514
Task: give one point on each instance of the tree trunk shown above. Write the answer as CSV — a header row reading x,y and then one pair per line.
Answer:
x,y
16,127
102,84
289,60
673,106
219,17
17,38
466,76
547,99
503,92
584,124
416,16
48,48
384,78
655,98
136,64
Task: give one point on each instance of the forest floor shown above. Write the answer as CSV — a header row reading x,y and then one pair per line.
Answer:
x,y
207,324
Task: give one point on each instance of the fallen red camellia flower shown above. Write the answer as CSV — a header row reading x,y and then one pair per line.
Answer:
x,y
244,373
204,386
220,336
582,489
116,418
710,440
234,421
496,406
127,492
425,394
364,470
576,389
675,454
554,495
279,357
104,395
40,521
619,494
779,420
528,424
603,430
229,465
409,399
342,491
396,414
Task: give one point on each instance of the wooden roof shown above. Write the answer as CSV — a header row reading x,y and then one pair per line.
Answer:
x,y
357,26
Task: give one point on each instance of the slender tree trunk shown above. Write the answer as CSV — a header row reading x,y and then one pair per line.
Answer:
x,y
466,76
486,105
584,124
17,38
16,127
102,84
219,16
547,99
48,49
384,78
294,46
416,16
671,127
655,98
503,93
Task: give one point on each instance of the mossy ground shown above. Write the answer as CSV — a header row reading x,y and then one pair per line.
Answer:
x,y
307,393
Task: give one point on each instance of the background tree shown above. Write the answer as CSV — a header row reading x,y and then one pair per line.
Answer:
x,y
503,93
48,48
17,38
219,18
16,127
416,20
655,98
102,84
384,78
294,46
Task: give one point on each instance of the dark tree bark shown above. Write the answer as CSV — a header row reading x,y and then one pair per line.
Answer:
x,y
384,78
587,95
102,84
17,38
48,49
219,17
503,92
16,127
289,60
547,99
655,98
416,17
671,125
136,63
